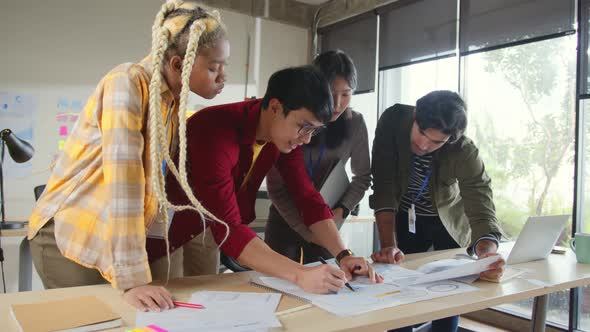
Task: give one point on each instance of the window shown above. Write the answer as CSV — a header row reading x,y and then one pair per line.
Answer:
x,y
584,223
366,104
522,118
404,85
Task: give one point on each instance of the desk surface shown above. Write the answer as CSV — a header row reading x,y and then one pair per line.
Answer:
x,y
15,232
558,272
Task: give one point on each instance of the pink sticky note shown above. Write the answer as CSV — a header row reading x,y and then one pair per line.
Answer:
x,y
63,131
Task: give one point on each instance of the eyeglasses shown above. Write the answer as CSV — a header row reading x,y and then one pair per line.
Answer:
x,y
435,142
306,129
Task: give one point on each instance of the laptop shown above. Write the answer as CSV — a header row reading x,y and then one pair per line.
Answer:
x,y
536,239
335,185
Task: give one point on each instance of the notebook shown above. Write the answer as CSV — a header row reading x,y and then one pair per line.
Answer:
x,y
258,281
78,314
288,304
335,185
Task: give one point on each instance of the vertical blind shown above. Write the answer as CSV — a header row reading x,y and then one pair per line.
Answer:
x,y
411,31
358,38
491,23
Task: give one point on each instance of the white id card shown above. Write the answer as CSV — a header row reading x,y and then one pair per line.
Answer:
x,y
412,219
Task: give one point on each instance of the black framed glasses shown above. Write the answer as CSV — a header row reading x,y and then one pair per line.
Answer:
x,y
306,129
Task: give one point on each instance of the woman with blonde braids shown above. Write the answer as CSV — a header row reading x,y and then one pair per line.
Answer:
x,y
107,188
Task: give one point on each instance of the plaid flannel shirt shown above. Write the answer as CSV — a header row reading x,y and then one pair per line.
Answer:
x,y
99,193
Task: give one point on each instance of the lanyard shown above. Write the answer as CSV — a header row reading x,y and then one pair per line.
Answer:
x,y
425,179
311,166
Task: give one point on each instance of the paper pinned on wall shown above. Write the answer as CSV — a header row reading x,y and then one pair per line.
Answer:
x,y
17,112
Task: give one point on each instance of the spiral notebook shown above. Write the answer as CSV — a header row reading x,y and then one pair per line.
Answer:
x,y
288,304
280,286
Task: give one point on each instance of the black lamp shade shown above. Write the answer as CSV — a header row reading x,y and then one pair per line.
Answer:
x,y
20,151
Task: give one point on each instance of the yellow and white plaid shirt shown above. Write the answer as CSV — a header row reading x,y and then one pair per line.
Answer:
x,y
99,193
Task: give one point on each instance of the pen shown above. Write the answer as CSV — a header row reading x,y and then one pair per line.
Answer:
x,y
345,284
188,305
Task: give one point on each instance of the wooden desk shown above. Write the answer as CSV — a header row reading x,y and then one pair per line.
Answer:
x,y
559,272
15,232
25,261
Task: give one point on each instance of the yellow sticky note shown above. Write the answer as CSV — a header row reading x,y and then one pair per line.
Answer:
x,y
61,144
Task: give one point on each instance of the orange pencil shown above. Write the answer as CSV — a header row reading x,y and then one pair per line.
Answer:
x,y
188,305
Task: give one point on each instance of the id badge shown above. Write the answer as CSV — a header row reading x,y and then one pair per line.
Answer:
x,y
412,219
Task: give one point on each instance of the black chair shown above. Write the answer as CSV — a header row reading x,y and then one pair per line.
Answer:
x,y
231,263
38,190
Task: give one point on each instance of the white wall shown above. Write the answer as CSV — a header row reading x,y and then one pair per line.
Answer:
x,y
60,49
282,46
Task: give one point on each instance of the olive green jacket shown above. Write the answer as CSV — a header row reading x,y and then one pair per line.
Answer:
x,y
460,188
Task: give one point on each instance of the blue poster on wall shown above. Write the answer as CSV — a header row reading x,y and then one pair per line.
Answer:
x,y
17,113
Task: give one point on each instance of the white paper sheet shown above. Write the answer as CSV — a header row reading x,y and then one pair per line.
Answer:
x,y
240,301
458,271
445,264
224,311
369,297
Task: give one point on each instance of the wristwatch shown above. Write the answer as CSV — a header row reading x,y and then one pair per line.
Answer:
x,y
345,211
342,254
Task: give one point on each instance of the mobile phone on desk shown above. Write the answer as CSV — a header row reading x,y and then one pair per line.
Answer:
x,y
558,250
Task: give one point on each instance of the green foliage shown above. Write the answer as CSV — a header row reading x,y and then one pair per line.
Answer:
x,y
540,72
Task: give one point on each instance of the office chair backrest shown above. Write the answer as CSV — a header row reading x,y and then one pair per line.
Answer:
x,y
38,190
232,264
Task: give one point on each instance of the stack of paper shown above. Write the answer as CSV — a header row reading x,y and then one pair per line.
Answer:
x,y
400,286
224,311
394,291
368,297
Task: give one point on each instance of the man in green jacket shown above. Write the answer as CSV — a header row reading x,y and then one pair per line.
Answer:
x,y
430,188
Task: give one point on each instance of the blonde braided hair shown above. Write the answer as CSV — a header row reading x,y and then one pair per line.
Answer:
x,y
159,147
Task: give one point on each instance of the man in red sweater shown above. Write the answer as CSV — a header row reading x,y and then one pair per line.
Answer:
x,y
231,148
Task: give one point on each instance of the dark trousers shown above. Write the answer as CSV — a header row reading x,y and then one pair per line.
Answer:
x,y
284,240
429,232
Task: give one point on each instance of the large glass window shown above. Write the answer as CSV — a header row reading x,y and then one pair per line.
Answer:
x,y
584,223
366,104
404,85
522,117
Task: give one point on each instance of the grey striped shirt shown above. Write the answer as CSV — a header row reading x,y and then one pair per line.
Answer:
x,y
421,166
